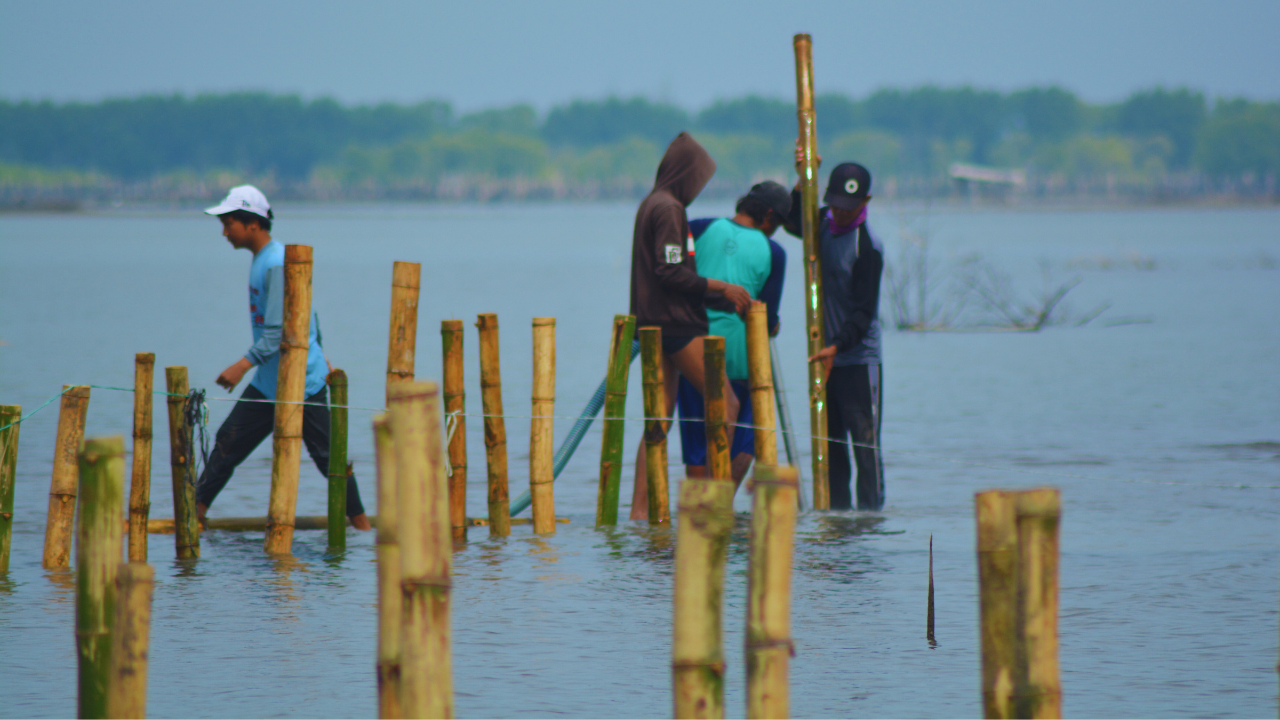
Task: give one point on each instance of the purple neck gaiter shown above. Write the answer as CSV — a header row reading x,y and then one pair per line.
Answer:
x,y
842,229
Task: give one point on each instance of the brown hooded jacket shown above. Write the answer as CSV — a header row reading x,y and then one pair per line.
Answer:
x,y
666,290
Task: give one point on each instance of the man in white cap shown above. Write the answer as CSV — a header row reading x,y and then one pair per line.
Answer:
x,y
246,223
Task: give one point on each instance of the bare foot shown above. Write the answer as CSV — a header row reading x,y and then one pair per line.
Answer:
x,y
361,522
201,512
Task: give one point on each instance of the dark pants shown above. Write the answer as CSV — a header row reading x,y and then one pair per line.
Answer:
x,y
248,425
854,404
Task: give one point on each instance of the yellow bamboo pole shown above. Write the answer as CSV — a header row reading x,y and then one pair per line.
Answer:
x,y
812,268
997,599
9,415
455,401
769,648
144,366
291,383
760,376
703,524
542,426
1039,694
390,605
130,638
186,537
426,552
66,476
719,463
495,426
403,338
100,534
655,431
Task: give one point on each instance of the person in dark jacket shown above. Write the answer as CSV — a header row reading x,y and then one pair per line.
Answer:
x,y
666,290
852,262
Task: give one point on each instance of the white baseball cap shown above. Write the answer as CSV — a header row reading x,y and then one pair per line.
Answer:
x,y
243,197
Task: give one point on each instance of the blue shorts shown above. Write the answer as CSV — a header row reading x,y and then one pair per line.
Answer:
x,y
693,432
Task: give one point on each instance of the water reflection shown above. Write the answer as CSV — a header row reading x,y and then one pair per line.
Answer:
x,y
284,589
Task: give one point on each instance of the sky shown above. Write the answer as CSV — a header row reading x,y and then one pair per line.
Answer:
x,y
482,53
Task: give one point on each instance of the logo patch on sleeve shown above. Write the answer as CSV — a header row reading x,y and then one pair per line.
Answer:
x,y
674,255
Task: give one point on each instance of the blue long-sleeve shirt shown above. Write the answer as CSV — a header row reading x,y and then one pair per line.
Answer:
x,y
771,293
266,316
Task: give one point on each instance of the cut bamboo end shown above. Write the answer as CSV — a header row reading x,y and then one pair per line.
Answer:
x,y
495,427
615,406
719,462
186,538
703,524
9,415
98,549
130,640
402,342
390,603
339,470
59,523
286,441
455,406
768,638
541,426
144,366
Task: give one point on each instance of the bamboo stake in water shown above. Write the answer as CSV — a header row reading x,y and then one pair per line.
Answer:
x,y
186,536
426,551
60,521
769,648
286,440
703,525
760,375
403,339
495,426
1039,692
9,415
542,426
812,268
144,370
338,467
997,599
719,463
928,622
455,401
390,605
100,535
655,431
615,408
130,638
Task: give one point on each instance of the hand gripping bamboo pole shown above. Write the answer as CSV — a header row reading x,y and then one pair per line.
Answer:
x,y
495,426
339,469
144,370
542,426
719,464
100,535
9,415
186,536
760,375
703,524
997,599
769,648
390,604
812,268
66,475
426,552
615,408
291,383
1039,694
655,431
402,342
455,401
130,638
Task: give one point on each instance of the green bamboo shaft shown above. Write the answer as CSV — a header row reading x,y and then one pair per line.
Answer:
x,y
130,638
455,401
1039,688
703,524
719,463
98,550
495,426
615,408
9,415
760,377
997,599
186,536
144,370
542,426
768,640
338,467
390,602
402,340
60,521
291,383
655,430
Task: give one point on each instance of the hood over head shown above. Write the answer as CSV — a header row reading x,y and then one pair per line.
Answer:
x,y
685,169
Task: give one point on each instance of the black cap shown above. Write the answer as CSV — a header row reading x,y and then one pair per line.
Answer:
x,y
849,185
776,197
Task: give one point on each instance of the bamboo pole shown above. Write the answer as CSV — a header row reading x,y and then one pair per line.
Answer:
x,y
291,383
997,599
1039,692
455,401
769,648
655,431
542,426
144,370
339,469
390,605
406,277
928,620
426,552
703,525
812,268
100,534
186,536
615,408
60,521
495,426
9,415
719,463
760,375
130,638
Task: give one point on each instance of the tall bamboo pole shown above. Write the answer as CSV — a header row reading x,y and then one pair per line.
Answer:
x,y
100,535
703,525
402,342
997,599
655,430
495,426
812,268
542,426
1039,694
769,648
760,376
719,462
455,401
291,384
615,408
426,552
144,370
62,488
9,415
390,595
130,638
186,536
339,469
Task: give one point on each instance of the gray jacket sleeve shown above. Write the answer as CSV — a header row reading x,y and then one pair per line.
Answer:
x,y
273,318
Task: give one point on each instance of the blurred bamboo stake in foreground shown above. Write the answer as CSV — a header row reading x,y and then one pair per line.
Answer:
x,y
703,523
98,549
389,591
769,648
130,640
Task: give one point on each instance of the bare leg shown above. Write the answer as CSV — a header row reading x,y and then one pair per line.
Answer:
x,y
741,464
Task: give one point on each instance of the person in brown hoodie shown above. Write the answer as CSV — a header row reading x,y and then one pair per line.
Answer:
x,y
666,290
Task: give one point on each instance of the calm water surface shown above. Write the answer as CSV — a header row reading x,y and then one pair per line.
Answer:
x,y
1160,422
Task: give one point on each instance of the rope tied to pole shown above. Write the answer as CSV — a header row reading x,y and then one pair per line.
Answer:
x,y
196,412
450,424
